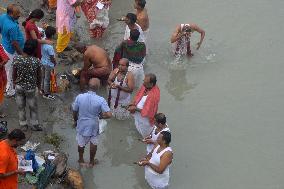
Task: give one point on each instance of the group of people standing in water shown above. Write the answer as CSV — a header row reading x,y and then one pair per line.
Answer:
x,y
124,74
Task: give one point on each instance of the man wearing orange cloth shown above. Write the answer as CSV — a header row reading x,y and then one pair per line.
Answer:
x,y
145,105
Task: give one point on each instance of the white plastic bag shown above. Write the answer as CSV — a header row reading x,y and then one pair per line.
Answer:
x,y
102,125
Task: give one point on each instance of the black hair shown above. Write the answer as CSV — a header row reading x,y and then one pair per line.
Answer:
x,y
186,28
134,35
132,17
160,118
141,3
16,134
166,136
153,78
30,46
49,31
37,13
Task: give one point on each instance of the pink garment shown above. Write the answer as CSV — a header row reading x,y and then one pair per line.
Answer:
x,y
65,16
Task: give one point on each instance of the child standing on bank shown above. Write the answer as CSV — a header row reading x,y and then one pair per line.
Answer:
x,y
48,62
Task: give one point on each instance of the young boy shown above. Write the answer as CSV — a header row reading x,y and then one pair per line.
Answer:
x,y
48,61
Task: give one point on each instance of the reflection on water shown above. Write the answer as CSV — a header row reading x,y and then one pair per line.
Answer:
x,y
177,85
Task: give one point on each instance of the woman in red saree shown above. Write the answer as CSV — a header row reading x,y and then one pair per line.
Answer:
x,y
96,13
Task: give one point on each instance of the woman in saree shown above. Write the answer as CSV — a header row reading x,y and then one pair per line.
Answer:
x,y
96,13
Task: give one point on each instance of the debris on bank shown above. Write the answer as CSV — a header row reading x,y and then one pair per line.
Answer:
x,y
48,168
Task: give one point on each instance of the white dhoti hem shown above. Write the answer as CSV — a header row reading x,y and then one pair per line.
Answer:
x,y
142,124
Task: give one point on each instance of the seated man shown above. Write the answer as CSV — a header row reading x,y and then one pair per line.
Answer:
x,y
135,52
96,64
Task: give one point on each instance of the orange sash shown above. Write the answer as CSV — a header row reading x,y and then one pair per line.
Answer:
x,y
53,83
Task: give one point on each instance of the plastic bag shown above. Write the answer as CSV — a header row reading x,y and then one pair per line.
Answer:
x,y
102,125
30,155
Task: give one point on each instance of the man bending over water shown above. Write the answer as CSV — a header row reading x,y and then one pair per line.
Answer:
x,y
181,39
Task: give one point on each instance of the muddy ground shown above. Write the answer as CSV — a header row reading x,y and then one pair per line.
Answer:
x,y
50,112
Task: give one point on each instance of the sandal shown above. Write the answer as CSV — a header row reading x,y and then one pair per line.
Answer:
x,y
36,128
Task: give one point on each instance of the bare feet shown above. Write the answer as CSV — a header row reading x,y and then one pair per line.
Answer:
x,y
82,163
190,54
93,163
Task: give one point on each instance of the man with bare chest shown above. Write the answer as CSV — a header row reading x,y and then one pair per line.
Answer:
x,y
96,64
142,16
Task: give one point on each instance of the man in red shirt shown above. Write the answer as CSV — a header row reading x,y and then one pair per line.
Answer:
x,y
9,161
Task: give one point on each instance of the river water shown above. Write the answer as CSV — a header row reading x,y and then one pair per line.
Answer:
x,y
224,106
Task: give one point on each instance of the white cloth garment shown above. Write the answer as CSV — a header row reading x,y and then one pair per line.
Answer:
x,y
142,124
127,33
154,179
102,18
154,138
120,112
10,91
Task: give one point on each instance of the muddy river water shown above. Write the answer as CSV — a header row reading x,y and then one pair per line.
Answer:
x,y
224,106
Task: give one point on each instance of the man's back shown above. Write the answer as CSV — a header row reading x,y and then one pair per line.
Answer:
x,y
26,71
97,56
134,51
89,105
143,19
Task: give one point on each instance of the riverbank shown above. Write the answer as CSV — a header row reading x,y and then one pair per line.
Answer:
x,y
51,113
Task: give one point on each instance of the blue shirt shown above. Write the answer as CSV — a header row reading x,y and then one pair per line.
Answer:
x,y
46,52
10,30
89,105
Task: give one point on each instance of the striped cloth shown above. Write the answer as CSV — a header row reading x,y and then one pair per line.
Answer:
x,y
134,51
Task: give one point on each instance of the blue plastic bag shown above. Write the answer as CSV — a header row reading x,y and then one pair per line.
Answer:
x,y
30,155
